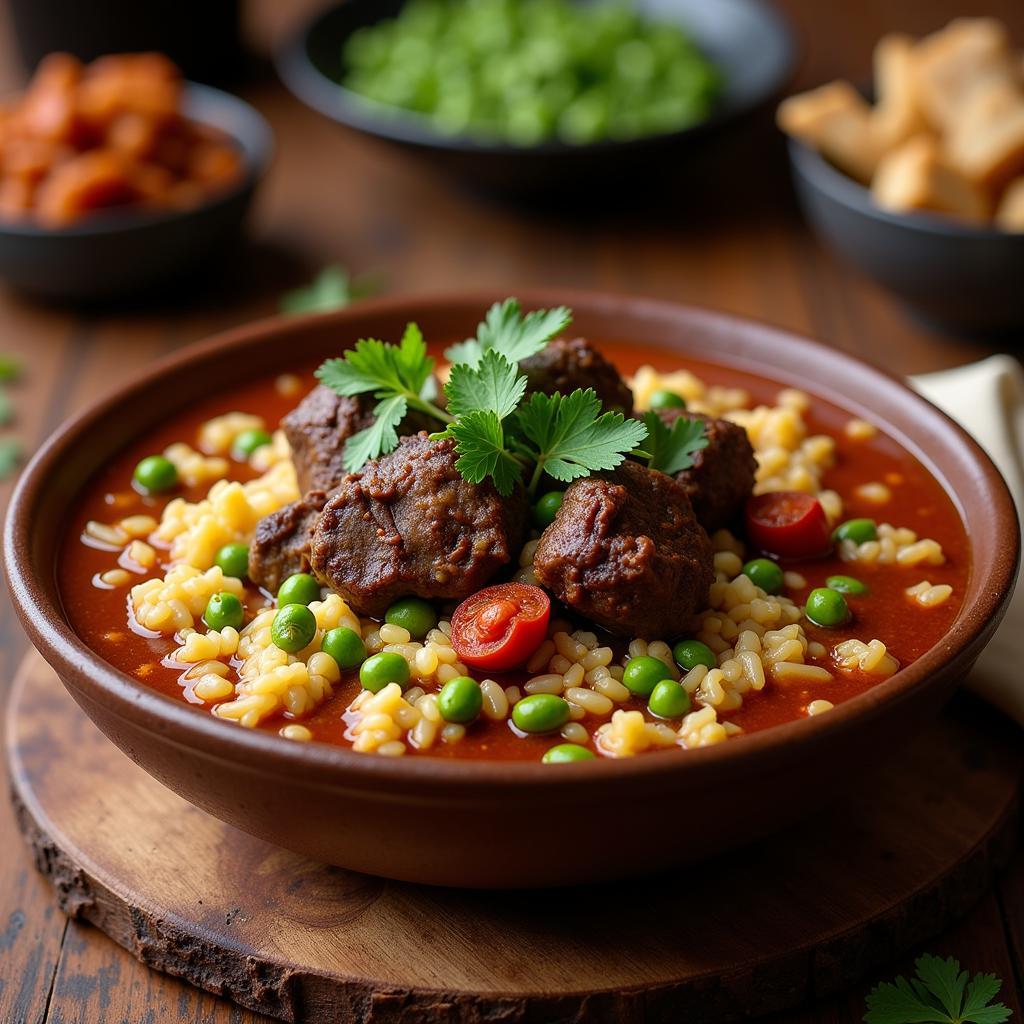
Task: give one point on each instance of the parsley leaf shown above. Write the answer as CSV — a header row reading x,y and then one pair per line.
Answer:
x,y
494,383
672,450
480,442
506,331
937,996
332,288
572,437
381,436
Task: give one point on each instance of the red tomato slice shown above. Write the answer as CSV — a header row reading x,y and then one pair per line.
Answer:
x,y
499,627
789,524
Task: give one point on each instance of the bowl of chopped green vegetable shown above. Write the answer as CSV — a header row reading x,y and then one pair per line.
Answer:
x,y
532,95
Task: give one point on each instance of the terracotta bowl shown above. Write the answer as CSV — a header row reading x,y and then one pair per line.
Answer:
x,y
504,824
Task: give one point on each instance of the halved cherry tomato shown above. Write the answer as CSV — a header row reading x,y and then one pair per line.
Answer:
x,y
789,524
499,627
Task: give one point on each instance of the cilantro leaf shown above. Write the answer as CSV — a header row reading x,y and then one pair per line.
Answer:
x,y
332,288
936,996
378,438
10,456
572,437
982,989
506,331
494,384
6,408
672,449
383,369
480,442
10,368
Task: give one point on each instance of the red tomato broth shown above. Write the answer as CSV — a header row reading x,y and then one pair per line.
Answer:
x,y
908,630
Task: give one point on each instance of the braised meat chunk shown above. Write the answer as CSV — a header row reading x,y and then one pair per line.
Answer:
x,y
626,550
722,475
281,545
565,365
408,523
317,429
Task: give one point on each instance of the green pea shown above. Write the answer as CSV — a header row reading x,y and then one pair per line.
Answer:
x,y
764,573
540,712
223,610
345,646
546,509
667,400
857,530
414,614
643,674
669,699
155,473
380,669
689,653
248,441
846,585
566,752
460,700
233,560
293,628
827,607
298,589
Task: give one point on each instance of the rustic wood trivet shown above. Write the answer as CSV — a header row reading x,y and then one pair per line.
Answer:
x,y
767,927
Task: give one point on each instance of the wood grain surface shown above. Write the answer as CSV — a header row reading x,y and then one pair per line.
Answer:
x,y
726,236
908,851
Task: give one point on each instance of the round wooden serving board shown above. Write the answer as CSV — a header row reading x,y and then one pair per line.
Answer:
x,y
767,927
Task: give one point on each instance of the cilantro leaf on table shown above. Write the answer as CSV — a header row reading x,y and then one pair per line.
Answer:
x,y
10,456
10,368
672,449
506,331
938,994
571,436
480,443
332,288
494,383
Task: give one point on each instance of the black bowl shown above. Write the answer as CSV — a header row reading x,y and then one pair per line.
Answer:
x,y
128,252
959,277
746,39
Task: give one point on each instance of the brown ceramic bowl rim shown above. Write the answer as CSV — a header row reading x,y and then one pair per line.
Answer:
x,y
325,765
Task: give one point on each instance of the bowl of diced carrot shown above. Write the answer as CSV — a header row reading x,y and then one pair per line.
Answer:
x,y
923,188
119,177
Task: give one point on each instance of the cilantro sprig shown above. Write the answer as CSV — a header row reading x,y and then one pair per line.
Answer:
x,y
333,288
671,449
506,331
939,993
500,433
399,376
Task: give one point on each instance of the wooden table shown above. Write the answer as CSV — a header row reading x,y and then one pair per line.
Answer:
x,y
731,240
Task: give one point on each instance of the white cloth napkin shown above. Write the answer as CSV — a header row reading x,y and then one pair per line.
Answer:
x,y
987,399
